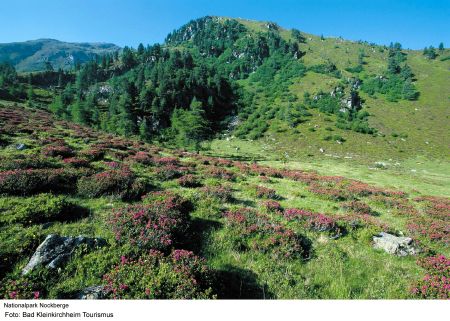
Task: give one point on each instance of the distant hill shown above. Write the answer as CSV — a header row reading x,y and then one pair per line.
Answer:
x,y
32,55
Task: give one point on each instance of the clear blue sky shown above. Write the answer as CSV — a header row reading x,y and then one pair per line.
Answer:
x,y
413,23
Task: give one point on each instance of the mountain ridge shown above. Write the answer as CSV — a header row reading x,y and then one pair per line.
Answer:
x,y
32,55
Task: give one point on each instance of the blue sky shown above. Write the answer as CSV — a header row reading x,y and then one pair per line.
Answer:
x,y
413,23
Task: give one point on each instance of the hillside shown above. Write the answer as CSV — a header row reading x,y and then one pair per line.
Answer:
x,y
137,221
291,93
235,160
34,54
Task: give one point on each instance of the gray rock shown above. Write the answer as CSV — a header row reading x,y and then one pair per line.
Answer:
x,y
96,292
21,146
56,250
396,245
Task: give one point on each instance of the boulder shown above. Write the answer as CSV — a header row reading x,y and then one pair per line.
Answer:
x,y
396,245
96,292
56,250
21,146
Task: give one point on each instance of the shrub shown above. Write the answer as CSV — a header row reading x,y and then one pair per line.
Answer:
x,y
264,192
32,181
188,181
436,283
315,221
31,286
358,207
154,225
168,172
37,209
93,154
142,158
221,173
272,206
182,275
120,183
57,150
222,193
163,161
76,162
28,162
246,224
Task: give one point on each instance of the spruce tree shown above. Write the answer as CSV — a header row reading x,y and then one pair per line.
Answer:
x,y
190,126
144,130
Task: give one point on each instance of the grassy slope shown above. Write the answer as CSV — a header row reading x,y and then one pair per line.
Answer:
x,y
344,268
425,121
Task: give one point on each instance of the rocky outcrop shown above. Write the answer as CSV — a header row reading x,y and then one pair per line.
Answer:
x,y
97,292
396,245
56,250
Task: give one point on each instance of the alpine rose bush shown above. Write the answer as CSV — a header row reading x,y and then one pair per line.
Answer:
x,y
150,226
264,192
222,193
57,150
181,275
120,183
188,181
32,181
436,283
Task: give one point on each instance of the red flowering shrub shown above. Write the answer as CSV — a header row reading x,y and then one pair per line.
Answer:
x,y
26,162
32,181
436,283
272,206
93,154
121,183
163,161
358,207
29,287
432,229
221,173
314,221
222,193
400,205
171,199
264,192
152,226
168,172
188,181
356,221
249,226
182,275
142,158
436,207
76,162
329,191
265,171
57,150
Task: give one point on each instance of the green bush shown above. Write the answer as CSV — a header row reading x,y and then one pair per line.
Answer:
x,y
119,183
182,275
36,209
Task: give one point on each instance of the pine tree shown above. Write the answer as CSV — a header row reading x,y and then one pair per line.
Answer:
x,y
441,46
406,72
144,130
393,66
57,107
409,92
126,125
190,126
30,96
78,112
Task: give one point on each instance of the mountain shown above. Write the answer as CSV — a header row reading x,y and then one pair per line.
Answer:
x,y
289,92
184,168
32,55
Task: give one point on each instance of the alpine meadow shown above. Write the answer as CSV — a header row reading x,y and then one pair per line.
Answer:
x,y
235,160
